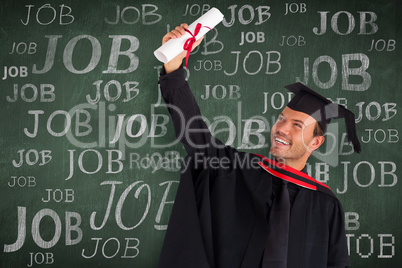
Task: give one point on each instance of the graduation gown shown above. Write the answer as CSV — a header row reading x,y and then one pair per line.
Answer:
x,y
219,218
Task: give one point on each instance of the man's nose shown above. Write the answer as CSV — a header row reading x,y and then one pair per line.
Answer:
x,y
283,128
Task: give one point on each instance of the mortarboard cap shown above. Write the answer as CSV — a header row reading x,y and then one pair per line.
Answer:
x,y
323,110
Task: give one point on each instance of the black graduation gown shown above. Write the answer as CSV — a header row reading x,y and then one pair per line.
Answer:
x,y
219,215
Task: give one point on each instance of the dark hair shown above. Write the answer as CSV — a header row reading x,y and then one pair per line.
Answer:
x,y
318,130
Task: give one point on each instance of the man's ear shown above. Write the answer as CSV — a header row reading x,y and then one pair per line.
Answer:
x,y
316,142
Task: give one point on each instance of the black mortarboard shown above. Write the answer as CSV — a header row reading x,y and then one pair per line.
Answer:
x,y
323,110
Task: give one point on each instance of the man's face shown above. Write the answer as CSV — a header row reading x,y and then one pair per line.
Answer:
x,y
292,137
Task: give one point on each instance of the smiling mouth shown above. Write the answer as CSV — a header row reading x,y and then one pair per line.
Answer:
x,y
281,141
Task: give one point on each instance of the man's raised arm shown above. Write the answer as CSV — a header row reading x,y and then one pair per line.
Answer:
x,y
189,127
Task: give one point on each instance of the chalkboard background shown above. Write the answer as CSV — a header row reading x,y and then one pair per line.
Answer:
x,y
76,192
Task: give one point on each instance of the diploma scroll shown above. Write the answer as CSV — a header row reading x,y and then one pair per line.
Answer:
x,y
174,47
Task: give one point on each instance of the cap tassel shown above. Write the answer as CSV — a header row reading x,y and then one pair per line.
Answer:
x,y
351,130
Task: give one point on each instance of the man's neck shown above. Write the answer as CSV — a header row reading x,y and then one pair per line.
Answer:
x,y
298,165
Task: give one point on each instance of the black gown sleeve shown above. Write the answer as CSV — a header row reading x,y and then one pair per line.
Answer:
x,y
190,128
337,251
205,195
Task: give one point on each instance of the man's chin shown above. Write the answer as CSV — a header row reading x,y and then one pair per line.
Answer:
x,y
276,152
278,157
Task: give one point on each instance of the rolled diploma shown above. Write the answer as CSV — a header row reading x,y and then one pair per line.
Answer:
x,y
174,47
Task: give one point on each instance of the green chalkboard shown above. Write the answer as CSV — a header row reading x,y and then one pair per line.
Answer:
x,y
89,162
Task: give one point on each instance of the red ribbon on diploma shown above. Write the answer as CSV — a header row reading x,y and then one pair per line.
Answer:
x,y
188,45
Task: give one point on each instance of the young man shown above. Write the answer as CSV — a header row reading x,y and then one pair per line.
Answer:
x,y
248,210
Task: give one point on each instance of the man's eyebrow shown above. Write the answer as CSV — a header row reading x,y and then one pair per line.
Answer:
x,y
300,121
295,120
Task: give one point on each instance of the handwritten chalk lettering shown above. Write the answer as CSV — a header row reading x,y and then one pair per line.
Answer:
x,y
278,100
22,48
137,121
58,195
231,129
97,158
142,193
352,221
124,143
219,92
364,245
35,228
208,65
381,45
69,50
81,124
130,86
47,14
78,111
115,54
36,235
387,248
46,93
341,101
67,116
22,181
163,203
246,15
350,22
32,157
212,46
347,72
36,114
14,71
374,111
116,127
321,171
295,8
336,144
253,62
158,69
143,189
155,125
111,248
131,15
250,131
196,10
51,51
253,128
40,258
344,145
81,110
364,174
251,37
293,41
381,136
